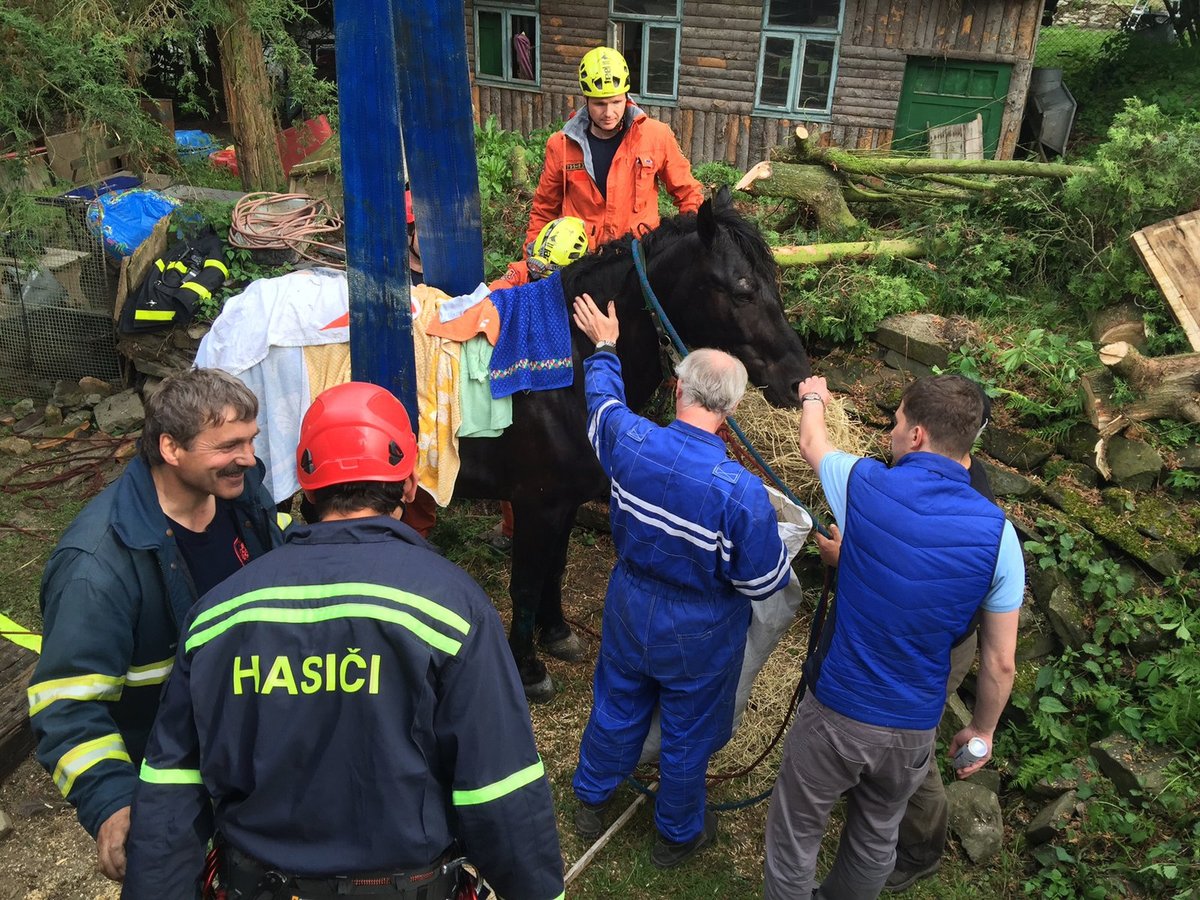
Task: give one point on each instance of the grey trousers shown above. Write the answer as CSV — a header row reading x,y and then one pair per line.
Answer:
x,y
825,755
923,828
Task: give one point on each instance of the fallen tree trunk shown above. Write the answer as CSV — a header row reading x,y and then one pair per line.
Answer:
x,y
1168,386
815,254
814,186
1123,322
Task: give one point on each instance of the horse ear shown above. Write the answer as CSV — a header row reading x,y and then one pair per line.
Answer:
x,y
706,223
723,198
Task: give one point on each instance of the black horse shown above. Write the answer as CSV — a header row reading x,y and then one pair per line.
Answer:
x,y
717,282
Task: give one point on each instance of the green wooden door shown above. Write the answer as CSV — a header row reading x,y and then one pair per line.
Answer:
x,y
950,92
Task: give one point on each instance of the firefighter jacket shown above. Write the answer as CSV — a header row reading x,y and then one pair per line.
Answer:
x,y
346,705
648,154
189,271
114,593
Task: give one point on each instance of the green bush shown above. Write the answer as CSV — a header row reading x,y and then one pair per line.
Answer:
x,y
843,303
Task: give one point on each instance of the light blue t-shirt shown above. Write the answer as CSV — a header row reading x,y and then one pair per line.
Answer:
x,y
1008,581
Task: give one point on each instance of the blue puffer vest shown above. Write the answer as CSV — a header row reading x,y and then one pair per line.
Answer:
x,y
917,561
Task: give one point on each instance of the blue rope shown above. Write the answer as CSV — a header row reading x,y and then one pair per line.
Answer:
x,y
639,264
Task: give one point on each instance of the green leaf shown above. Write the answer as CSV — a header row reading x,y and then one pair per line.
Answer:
x,y
1051,705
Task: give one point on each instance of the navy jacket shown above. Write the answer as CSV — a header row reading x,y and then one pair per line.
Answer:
x,y
114,593
918,558
345,705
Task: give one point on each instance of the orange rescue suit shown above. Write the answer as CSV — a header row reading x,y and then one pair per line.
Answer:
x,y
648,154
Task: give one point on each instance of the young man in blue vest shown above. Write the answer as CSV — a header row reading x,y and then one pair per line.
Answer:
x,y
922,553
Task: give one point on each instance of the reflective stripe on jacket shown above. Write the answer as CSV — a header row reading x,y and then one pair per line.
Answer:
x,y
648,154
114,593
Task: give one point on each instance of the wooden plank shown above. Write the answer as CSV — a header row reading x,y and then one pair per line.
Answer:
x,y
1027,30
743,152
731,138
1007,43
485,103
989,39
1170,250
1014,109
475,102
16,737
712,125
914,17
973,138
894,22
687,126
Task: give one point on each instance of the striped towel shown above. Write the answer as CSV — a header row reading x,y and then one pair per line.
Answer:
x,y
533,352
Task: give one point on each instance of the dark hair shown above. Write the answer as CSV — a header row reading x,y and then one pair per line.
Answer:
x,y
380,497
949,408
187,403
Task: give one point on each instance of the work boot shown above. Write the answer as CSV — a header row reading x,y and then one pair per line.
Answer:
x,y
903,879
565,645
589,819
668,854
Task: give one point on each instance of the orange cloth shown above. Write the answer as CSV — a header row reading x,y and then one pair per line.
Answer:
x,y
648,154
516,275
480,317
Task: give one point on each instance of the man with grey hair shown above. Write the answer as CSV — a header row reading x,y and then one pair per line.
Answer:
x,y
696,542
189,510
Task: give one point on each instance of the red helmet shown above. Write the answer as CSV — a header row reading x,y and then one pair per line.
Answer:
x,y
355,432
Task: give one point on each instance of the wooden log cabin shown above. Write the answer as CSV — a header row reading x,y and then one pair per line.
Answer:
x,y
733,79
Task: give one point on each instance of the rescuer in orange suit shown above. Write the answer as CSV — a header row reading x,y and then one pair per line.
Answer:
x,y
605,164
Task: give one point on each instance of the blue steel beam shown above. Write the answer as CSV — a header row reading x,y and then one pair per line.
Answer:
x,y
381,347
439,140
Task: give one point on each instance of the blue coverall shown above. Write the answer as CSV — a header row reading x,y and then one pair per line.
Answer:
x,y
696,541
345,705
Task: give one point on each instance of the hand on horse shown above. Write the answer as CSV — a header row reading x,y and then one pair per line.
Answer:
x,y
595,324
815,384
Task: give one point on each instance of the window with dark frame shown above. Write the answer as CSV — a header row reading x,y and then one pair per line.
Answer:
x,y
798,56
647,34
507,41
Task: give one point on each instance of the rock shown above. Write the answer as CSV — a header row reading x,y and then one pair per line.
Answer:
x,y
90,385
986,777
92,399
1052,788
198,330
1004,482
1069,471
183,340
29,422
904,364
6,825
77,418
924,338
858,374
955,717
68,394
1015,448
39,806
1066,616
1052,819
1135,465
1079,444
22,408
15,446
1042,583
975,819
53,416
120,413
1132,766
1189,457
593,516
1035,635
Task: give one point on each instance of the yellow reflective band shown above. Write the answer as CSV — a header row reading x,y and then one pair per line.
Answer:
x,y
154,315
20,635
161,266
151,775
177,266
79,759
331,592
217,264
501,788
200,290
283,520
78,687
151,673
295,616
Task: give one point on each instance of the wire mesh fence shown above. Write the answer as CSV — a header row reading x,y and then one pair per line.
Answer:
x,y
56,300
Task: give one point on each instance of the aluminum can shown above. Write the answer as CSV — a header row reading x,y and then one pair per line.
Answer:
x,y
970,753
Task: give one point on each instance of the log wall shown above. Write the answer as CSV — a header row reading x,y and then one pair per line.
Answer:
x,y
713,117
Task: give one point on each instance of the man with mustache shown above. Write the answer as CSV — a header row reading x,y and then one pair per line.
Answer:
x,y
188,511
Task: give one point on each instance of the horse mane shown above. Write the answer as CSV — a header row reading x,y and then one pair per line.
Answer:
x,y
610,264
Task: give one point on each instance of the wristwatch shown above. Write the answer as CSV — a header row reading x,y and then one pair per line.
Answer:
x,y
606,346
811,395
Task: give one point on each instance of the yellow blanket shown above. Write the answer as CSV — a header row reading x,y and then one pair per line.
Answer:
x,y
437,399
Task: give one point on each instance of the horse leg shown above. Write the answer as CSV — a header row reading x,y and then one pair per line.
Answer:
x,y
555,636
541,532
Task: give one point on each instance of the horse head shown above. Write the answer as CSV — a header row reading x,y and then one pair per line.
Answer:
x,y
718,283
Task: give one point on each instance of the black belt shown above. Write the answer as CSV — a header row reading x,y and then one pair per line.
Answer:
x,y
248,879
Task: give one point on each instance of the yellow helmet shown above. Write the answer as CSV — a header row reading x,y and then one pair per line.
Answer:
x,y
559,243
603,72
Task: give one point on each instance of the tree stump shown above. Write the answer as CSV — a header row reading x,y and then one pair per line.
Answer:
x,y
16,737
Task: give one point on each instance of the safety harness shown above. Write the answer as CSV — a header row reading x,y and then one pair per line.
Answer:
x,y
191,270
